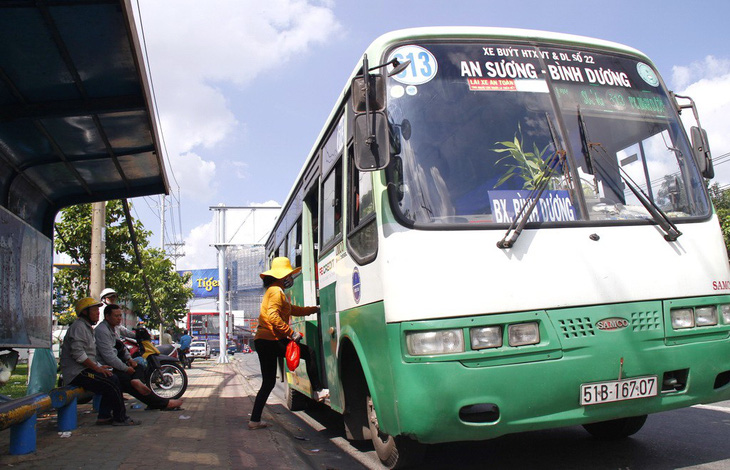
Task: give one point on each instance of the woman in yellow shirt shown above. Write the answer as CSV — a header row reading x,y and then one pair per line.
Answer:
x,y
274,333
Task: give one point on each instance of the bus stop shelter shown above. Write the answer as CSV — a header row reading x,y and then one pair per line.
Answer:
x,y
77,125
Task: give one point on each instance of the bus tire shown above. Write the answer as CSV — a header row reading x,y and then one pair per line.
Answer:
x,y
296,401
393,451
616,428
355,415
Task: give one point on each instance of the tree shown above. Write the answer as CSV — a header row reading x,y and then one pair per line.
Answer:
x,y
721,201
122,272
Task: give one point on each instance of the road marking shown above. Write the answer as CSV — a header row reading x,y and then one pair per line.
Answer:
x,y
713,408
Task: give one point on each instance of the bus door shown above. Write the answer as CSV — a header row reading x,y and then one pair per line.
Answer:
x,y
330,248
310,252
310,256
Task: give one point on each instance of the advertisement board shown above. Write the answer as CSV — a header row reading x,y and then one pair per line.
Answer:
x,y
204,282
25,284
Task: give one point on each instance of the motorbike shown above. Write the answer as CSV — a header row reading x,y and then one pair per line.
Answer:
x,y
164,373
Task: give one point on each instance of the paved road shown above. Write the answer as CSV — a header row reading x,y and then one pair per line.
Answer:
x,y
697,438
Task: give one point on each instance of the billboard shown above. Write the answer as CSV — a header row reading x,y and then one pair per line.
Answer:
x,y
204,325
26,271
204,282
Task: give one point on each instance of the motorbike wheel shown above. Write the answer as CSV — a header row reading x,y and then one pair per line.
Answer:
x,y
169,381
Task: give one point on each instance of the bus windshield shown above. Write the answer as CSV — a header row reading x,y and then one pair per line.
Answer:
x,y
477,127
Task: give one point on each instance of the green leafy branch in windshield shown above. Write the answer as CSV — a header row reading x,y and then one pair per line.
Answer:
x,y
528,166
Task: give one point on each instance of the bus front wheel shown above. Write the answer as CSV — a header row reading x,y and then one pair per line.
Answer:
x,y
393,451
616,428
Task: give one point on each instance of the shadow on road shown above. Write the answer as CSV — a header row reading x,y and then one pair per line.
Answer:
x,y
691,437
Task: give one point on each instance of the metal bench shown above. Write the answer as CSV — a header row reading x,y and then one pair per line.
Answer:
x,y
21,415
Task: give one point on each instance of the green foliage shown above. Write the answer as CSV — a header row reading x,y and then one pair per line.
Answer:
x,y
529,166
122,272
17,385
721,201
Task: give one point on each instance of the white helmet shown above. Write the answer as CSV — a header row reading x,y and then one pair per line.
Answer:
x,y
108,291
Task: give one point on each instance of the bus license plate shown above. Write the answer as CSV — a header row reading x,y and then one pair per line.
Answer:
x,y
618,390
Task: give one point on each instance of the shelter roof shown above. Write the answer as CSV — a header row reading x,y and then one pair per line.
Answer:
x,y
76,111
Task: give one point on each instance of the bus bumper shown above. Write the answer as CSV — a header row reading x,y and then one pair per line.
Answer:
x,y
483,394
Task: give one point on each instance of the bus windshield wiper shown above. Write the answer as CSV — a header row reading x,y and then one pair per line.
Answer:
x,y
523,215
671,232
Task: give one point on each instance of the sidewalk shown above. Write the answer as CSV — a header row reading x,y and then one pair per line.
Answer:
x,y
211,431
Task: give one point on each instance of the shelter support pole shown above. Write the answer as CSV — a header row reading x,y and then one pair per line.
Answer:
x,y
222,286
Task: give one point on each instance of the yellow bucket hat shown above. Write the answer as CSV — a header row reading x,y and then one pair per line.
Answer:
x,y
280,268
85,303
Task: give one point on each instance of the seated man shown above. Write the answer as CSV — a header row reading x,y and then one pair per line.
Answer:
x,y
166,337
108,297
79,366
112,352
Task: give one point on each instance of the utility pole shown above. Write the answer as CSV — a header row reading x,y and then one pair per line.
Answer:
x,y
162,247
177,251
97,275
162,222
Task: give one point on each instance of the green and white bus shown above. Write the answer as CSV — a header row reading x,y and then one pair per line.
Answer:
x,y
506,230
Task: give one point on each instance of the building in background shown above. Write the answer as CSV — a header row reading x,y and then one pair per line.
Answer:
x,y
246,230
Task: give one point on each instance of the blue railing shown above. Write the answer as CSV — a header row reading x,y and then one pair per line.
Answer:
x,y
21,415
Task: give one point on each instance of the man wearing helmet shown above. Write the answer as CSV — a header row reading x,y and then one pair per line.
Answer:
x,y
109,297
79,365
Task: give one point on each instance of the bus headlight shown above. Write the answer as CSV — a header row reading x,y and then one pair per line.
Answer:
x,y
521,334
486,337
682,318
426,343
706,316
725,313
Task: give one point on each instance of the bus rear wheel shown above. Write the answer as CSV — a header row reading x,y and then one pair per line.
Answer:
x,y
393,451
616,428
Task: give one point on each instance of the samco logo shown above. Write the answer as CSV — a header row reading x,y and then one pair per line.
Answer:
x,y
609,324
208,283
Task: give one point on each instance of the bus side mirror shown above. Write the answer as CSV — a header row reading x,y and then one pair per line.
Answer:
x,y
372,151
377,93
701,150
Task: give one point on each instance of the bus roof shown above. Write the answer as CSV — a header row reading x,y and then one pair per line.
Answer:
x,y
477,32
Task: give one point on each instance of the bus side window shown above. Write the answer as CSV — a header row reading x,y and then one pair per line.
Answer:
x,y
332,207
294,244
312,252
362,239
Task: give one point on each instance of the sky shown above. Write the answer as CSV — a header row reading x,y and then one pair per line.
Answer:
x,y
244,87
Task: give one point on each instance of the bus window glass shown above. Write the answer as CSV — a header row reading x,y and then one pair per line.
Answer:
x,y
332,206
481,131
363,204
334,145
619,117
362,240
291,250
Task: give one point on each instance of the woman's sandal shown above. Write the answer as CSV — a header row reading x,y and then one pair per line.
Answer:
x,y
258,425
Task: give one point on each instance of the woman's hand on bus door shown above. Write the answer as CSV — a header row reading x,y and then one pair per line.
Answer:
x,y
296,337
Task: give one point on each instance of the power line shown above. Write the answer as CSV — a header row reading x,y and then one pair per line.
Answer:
x,y
155,212
154,94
